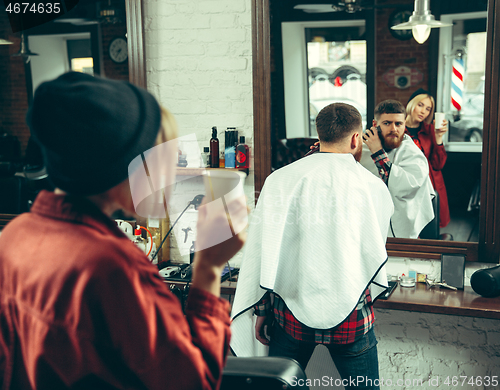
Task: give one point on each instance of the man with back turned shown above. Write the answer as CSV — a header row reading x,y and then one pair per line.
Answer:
x,y
314,260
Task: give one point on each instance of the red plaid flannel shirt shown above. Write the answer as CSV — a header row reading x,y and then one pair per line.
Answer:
x,y
383,164
357,324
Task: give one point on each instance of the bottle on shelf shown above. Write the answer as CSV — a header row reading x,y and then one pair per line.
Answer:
x,y
231,139
222,159
154,228
191,253
205,157
214,149
222,155
242,154
138,240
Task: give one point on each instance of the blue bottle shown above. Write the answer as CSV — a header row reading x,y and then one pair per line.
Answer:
x,y
231,139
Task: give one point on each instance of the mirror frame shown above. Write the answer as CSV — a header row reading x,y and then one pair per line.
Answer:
x,y
487,250
134,10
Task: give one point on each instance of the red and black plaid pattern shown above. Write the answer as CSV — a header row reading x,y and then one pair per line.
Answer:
x,y
383,164
359,322
415,139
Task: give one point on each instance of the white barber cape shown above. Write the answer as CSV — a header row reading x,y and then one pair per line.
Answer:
x,y
410,187
317,239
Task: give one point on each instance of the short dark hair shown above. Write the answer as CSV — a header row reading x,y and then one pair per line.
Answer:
x,y
336,121
389,107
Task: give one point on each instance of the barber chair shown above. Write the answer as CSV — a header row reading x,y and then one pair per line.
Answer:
x,y
268,373
13,195
474,204
290,150
431,231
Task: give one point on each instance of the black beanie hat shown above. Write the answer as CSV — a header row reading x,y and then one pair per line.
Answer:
x,y
419,91
90,129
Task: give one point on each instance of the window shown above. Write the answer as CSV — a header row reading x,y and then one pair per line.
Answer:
x,y
323,63
336,73
462,59
80,55
84,65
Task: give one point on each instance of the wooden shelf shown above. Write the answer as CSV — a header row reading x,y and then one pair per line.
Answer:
x,y
199,171
442,301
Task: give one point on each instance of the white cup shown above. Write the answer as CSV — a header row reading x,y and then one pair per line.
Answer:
x,y
439,117
225,211
223,184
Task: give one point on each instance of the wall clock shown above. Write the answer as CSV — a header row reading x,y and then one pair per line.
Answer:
x,y
118,50
398,17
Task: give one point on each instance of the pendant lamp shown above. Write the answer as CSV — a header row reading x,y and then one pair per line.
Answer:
x,y
421,22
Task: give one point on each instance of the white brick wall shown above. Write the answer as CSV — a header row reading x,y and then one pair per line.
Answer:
x,y
199,64
423,346
415,348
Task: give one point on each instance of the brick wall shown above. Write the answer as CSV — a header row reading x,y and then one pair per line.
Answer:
x,y
199,64
13,95
112,70
422,346
392,53
425,351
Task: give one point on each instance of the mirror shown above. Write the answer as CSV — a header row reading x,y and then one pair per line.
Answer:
x,y
465,167
325,62
92,37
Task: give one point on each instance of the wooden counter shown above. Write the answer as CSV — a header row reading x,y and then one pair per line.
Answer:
x,y
442,301
423,299
184,171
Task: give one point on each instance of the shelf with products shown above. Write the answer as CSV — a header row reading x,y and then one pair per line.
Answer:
x,y
181,171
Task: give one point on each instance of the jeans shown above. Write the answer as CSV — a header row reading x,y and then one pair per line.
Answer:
x,y
357,363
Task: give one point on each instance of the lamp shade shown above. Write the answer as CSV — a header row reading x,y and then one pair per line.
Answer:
x,y
421,22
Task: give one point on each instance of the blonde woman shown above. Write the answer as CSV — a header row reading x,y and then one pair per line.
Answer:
x,y
421,127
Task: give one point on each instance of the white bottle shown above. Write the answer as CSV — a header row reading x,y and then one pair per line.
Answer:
x,y
138,240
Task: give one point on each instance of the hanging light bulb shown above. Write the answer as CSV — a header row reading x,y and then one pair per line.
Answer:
x,y
421,32
421,22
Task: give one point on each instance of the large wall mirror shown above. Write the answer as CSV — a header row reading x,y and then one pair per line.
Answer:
x,y
306,60
100,37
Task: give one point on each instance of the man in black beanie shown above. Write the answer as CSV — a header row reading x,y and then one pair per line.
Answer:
x,y
81,306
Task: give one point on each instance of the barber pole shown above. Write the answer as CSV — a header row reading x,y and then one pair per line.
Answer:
x,y
457,83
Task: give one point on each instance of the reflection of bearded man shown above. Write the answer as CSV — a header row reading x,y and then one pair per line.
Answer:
x,y
392,156
389,141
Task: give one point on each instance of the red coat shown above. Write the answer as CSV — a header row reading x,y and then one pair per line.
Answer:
x,y
436,156
82,307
